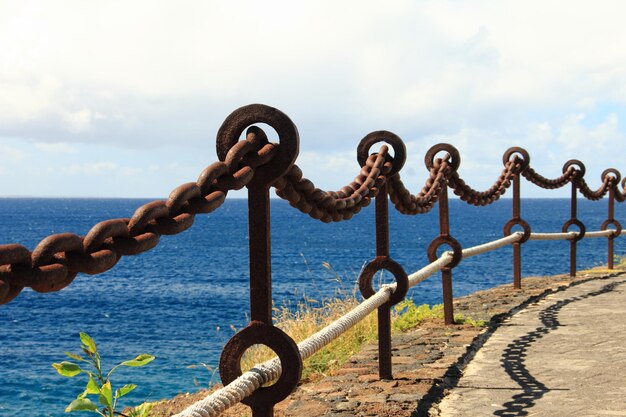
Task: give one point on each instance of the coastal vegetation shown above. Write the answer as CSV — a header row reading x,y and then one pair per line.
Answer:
x,y
311,316
98,382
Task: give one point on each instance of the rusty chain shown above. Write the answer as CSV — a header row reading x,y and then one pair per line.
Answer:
x,y
340,205
550,184
620,196
607,184
423,202
57,259
483,198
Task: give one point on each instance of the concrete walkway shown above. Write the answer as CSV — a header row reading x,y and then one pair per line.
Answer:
x,y
563,356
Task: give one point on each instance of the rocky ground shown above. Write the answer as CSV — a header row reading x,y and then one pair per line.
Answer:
x,y
427,361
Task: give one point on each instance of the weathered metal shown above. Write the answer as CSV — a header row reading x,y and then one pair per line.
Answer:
x,y
573,220
517,166
451,162
610,180
260,330
383,261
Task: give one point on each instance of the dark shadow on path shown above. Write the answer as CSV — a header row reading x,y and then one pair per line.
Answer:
x,y
513,359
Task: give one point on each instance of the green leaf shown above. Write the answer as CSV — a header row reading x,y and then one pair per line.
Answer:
x,y
120,392
88,342
82,404
68,369
92,386
106,395
75,356
140,360
141,410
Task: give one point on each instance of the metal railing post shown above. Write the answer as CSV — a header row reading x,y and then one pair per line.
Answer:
x,y
260,330
573,220
453,161
383,260
516,218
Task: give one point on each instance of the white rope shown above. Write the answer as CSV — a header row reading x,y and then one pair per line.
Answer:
x,y
489,246
228,396
553,236
571,235
421,275
600,233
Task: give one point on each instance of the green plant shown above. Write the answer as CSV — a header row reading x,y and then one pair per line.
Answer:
x,y
409,315
99,383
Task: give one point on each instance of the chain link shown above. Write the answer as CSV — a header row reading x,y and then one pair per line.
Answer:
x,y
590,194
331,206
57,259
550,184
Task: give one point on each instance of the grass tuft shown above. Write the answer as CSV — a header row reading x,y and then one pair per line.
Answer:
x,y
305,320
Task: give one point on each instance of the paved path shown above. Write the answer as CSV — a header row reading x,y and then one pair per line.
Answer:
x,y
563,356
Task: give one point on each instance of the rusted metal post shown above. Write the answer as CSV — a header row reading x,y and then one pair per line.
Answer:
x,y
384,311
572,243
260,255
519,165
517,246
573,220
611,218
452,160
612,181
446,273
260,329
382,260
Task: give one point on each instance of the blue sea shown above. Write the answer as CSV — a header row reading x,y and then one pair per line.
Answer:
x,y
181,300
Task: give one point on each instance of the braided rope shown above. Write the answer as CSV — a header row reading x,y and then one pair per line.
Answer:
x,y
487,247
571,235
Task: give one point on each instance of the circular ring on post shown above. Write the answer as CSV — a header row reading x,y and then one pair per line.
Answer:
x,y
455,157
242,118
282,344
399,149
616,174
575,163
384,262
618,227
514,222
576,222
513,150
457,251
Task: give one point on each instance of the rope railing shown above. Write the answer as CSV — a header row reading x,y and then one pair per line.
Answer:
x,y
220,400
573,235
257,164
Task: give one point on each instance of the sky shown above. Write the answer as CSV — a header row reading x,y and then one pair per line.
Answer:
x,y
124,99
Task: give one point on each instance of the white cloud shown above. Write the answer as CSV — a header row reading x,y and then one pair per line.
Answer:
x,y
78,121
10,154
96,168
56,148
